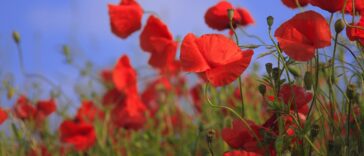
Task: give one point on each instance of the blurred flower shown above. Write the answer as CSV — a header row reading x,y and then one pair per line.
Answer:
x,y
241,153
124,76
125,18
196,94
295,95
3,115
89,112
79,134
293,3
24,109
217,58
38,151
359,6
356,34
157,40
44,108
299,39
217,18
152,94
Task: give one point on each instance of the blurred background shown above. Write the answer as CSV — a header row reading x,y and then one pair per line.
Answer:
x,y
83,25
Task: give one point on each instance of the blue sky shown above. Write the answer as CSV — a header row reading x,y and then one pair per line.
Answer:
x,y
46,25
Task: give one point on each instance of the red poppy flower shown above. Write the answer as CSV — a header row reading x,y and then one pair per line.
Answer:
x,y
329,5
130,115
295,95
241,153
46,107
125,18
355,34
80,135
293,3
124,76
24,109
239,136
106,76
154,90
89,112
217,18
218,58
157,40
3,115
359,6
196,94
40,151
113,97
299,39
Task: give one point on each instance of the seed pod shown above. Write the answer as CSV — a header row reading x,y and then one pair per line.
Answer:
x,y
16,37
262,89
210,135
276,73
230,14
268,67
270,21
350,91
339,26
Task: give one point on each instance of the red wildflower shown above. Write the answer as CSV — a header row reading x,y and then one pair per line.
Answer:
x,y
359,6
44,109
130,115
124,76
113,97
196,94
239,136
151,94
89,112
80,135
293,3
241,153
125,18
295,96
217,18
106,76
157,40
329,5
218,58
24,109
355,34
299,39
3,115
40,151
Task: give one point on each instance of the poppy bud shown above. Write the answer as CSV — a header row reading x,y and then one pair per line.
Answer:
x,y
339,26
294,71
230,14
268,67
210,135
276,73
262,89
350,91
308,80
16,37
314,131
270,21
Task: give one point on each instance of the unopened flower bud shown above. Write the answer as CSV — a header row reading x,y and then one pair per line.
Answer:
x,y
210,135
268,67
350,91
294,71
270,21
339,26
308,80
276,73
16,37
262,89
230,14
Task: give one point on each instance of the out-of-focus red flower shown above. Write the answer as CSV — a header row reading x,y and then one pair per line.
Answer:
x,y
3,115
124,76
125,18
130,115
89,112
196,94
239,136
24,109
359,7
154,90
81,135
157,40
293,3
356,34
44,108
113,97
217,18
295,95
106,76
240,153
40,151
218,58
299,39
329,5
